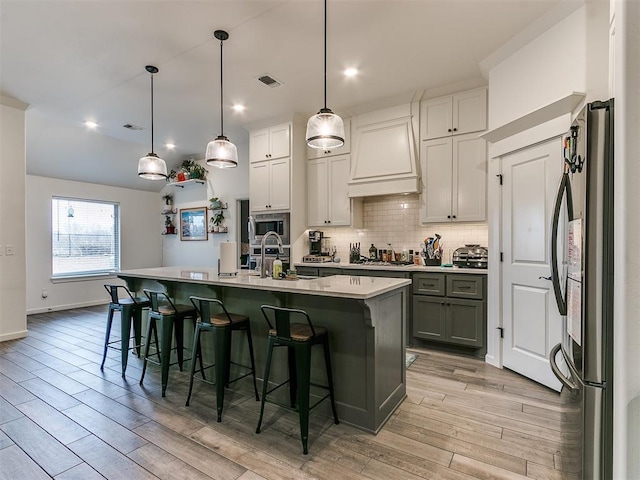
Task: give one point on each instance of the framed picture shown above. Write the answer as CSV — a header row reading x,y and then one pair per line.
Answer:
x,y
193,223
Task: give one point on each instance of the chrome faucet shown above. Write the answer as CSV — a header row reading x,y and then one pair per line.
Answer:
x,y
263,267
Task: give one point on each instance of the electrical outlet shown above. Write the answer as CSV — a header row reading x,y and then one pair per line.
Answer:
x,y
45,294
8,250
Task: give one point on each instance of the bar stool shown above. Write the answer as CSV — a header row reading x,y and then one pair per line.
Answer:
x,y
171,316
215,318
298,338
130,313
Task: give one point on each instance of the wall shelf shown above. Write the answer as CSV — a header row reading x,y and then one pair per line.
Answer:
x,y
566,104
191,181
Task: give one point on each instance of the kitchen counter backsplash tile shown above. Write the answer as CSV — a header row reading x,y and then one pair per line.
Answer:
x,y
394,219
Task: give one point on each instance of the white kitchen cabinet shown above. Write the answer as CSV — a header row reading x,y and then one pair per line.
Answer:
x,y
454,179
328,189
457,114
343,150
269,183
270,143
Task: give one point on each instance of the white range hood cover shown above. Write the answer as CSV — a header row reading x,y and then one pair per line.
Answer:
x,y
384,153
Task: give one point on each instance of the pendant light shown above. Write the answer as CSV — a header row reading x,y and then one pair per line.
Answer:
x,y
325,129
151,166
221,152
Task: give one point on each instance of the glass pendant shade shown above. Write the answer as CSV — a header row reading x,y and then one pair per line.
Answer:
x,y
325,130
152,167
221,153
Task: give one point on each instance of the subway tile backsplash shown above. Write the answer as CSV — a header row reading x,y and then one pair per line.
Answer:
x,y
394,219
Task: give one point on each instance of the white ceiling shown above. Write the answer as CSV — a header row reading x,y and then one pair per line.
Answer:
x,y
80,60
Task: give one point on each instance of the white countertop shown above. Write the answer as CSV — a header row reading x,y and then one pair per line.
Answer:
x,y
343,286
394,268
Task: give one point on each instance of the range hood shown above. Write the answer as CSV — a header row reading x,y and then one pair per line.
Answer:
x,y
384,160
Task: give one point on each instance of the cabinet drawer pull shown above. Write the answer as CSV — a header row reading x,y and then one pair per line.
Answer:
x,y
429,285
464,287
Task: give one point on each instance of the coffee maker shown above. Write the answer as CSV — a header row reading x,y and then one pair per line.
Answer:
x,y
315,242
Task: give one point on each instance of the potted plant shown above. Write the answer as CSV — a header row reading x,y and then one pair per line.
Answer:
x,y
172,176
215,202
217,220
169,226
198,171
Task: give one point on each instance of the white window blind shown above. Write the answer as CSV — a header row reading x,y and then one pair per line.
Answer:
x,y
85,237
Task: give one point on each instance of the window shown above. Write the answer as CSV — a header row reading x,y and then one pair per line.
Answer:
x,y
85,237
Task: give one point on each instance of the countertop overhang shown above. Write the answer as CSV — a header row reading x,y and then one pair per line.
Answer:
x,y
342,286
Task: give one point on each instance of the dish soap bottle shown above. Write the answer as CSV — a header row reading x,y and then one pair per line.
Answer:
x,y
373,252
277,267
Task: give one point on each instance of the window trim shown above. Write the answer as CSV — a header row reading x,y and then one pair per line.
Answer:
x,y
96,274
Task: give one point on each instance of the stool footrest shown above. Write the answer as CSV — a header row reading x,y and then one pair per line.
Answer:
x,y
295,409
109,344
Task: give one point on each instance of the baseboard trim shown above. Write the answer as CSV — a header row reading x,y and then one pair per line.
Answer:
x,y
57,308
13,335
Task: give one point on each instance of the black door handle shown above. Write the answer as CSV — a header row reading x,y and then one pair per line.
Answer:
x,y
545,278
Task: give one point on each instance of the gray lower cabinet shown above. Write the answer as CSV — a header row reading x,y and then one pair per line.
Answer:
x,y
449,308
310,271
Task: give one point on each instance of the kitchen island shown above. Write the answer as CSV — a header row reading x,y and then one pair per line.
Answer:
x,y
365,317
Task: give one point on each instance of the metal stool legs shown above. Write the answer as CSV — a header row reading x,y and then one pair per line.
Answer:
x,y
222,359
299,359
127,315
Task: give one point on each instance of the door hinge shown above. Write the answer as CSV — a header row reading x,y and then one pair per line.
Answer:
x,y
499,178
501,331
501,256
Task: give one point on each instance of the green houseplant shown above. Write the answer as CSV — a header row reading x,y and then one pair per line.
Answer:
x,y
169,226
217,221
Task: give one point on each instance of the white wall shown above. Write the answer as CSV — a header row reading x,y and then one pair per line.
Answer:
x,y
140,223
571,56
546,69
229,185
626,72
13,320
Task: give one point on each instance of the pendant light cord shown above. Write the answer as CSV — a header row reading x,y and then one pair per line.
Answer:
x,y
325,54
221,96
152,113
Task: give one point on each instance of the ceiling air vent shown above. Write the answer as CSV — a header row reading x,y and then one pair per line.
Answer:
x,y
129,126
269,81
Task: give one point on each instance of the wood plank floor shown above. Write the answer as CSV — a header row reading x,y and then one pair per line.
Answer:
x,y
61,417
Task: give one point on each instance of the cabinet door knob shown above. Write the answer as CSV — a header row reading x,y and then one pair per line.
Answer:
x,y
454,216
448,129
328,221
448,216
455,129
441,303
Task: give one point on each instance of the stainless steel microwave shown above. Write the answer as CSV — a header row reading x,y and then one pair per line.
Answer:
x,y
267,222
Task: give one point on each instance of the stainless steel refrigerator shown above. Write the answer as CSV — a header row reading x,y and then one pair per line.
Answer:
x,y
582,275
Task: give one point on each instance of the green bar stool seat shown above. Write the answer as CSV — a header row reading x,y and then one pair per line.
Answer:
x,y
215,318
171,316
130,309
298,338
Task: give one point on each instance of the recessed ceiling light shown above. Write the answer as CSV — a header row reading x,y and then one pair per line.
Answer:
x,y
350,72
238,107
91,124
170,146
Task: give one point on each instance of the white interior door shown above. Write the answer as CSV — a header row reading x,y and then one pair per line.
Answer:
x,y
531,321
